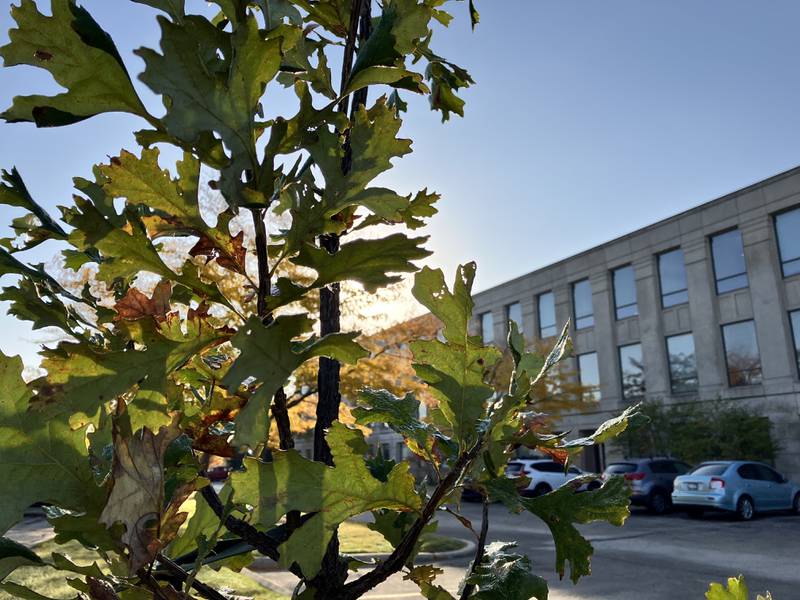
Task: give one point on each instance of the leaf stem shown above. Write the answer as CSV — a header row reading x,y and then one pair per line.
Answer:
x,y
470,587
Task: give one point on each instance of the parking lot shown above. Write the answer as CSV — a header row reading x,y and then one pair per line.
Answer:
x,y
651,557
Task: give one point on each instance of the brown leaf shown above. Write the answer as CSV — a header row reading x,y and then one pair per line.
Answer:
x,y
100,590
137,493
232,258
135,305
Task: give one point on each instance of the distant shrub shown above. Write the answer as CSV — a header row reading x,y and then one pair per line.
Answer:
x,y
719,430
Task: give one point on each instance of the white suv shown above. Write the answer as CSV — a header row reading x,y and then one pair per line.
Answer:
x,y
545,474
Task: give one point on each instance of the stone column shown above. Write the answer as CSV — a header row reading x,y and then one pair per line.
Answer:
x,y
605,338
651,331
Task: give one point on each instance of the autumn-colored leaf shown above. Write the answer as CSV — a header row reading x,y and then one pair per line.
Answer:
x,y
136,305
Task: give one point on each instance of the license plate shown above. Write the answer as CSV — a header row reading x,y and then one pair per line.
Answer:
x,y
691,486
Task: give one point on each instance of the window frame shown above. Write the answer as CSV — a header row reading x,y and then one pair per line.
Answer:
x,y
714,263
480,322
596,394
540,327
622,374
725,353
635,303
781,261
795,338
520,324
575,315
669,365
661,292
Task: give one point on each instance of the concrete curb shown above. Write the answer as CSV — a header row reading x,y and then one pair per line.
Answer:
x,y
262,563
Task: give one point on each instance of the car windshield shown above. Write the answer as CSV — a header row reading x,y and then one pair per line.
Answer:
x,y
711,469
514,468
617,468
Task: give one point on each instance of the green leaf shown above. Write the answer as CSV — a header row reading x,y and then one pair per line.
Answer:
x,y
174,8
474,15
13,555
79,55
454,370
204,522
367,261
401,25
20,591
505,574
735,590
333,15
336,493
269,354
423,576
401,414
42,459
81,377
213,81
565,506
35,227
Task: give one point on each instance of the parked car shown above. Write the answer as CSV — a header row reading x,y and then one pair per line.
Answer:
x,y
742,487
651,480
545,474
218,473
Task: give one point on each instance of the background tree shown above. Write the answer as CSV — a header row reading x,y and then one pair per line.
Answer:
x,y
185,340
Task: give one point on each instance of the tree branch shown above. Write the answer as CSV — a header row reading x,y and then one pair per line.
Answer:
x,y
181,575
398,558
470,587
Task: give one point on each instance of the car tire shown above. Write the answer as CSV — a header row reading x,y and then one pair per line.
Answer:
x,y
694,513
796,505
595,485
658,503
541,489
745,509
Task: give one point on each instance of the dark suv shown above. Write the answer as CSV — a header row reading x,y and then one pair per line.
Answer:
x,y
651,480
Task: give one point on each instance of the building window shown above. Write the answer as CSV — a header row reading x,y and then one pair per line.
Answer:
x,y
741,353
625,292
582,304
487,328
682,363
400,451
787,228
547,315
672,277
632,371
589,375
794,317
514,313
385,451
729,266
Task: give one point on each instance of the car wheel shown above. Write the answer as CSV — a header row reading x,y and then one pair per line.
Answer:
x,y
594,485
694,513
745,509
541,490
796,505
658,503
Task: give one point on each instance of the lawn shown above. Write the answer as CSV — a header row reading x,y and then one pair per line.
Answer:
x,y
355,538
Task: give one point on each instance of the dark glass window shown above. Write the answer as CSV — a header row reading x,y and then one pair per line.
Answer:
x,y
663,466
767,474
582,303
711,469
787,226
514,313
741,353
547,315
794,316
672,276
619,468
548,467
748,471
682,363
625,292
729,266
632,371
589,375
487,328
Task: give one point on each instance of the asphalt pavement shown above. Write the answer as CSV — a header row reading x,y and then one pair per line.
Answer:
x,y
649,558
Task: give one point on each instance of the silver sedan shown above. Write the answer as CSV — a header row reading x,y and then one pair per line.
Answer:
x,y
742,487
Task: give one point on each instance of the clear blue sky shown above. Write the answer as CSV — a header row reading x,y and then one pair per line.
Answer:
x,y
589,119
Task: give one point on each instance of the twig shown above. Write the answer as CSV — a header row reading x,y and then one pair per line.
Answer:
x,y
180,573
470,587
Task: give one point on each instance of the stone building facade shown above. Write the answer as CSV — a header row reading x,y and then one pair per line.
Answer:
x,y
699,306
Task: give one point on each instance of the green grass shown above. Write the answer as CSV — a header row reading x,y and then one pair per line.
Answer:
x,y
50,582
356,538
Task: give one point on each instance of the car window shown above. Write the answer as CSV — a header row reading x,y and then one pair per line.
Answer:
x,y
748,471
662,466
575,470
682,468
619,468
710,469
768,474
548,467
514,468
